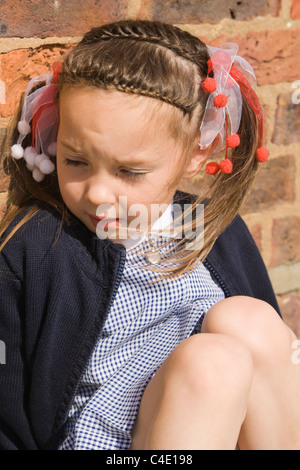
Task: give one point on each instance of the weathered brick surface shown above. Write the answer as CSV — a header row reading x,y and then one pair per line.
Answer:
x,y
273,54
285,243
195,11
18,67
289,305
295,9
31,18
287,120
256,232
274,184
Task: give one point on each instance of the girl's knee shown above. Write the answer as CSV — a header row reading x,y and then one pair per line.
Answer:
x,y
204,370
254,322
204,361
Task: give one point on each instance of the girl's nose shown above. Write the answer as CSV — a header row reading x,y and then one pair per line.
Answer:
x,y
100,191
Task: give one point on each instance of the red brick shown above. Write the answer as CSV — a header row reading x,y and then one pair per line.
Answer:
x,y
256,232
18,67
31,18
285,241
273,54
295,9
287,120
274,184
193,11
289,305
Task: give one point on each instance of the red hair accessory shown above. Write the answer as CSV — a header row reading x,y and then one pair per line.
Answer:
x,y
233,76
212,168
220,101
226,166
209,85
57,66
233,140
262,153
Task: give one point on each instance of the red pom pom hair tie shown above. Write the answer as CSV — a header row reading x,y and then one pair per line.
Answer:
x,y
220,101
262,154
39,109
209,85
224,105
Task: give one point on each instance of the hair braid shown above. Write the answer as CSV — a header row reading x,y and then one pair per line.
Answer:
x,y
130,66
180,42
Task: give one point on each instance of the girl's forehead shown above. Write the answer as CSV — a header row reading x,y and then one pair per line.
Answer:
x,y
91,105
111,99
113,118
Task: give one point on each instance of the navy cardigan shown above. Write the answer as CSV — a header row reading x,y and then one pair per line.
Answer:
x,y
56,286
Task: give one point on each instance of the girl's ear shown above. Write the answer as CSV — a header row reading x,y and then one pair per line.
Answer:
x,y
197,160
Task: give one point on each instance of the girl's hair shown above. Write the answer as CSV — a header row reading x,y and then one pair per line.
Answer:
x,y
165,63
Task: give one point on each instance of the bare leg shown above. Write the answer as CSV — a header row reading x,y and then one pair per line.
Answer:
x,y
273,409
235,382
198,398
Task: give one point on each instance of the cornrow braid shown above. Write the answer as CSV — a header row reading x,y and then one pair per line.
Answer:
x,y
167,36
141,57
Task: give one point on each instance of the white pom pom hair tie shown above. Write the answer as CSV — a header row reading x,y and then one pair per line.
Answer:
x,y
40,110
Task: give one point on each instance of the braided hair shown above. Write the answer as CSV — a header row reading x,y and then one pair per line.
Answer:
x,y
142,57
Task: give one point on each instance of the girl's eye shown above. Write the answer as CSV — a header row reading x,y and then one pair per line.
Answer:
x,y
132,174
68,161
125,173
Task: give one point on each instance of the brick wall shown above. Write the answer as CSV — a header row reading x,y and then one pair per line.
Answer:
x,y
33,34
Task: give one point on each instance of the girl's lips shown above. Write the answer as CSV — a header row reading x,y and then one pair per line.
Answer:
x,y
106,224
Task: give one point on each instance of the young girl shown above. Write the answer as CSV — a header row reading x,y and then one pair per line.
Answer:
x,y
120,331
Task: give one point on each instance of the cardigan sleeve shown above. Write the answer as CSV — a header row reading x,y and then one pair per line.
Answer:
x,y
15,432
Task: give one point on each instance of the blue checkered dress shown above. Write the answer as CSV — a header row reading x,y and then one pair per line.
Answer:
x,y
144,325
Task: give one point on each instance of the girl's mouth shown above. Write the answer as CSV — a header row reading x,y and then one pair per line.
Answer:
x,y
105,223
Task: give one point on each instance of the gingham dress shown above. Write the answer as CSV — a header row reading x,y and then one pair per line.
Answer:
x,y
144,325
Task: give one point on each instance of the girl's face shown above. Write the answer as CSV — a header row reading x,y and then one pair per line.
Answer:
x,y
110,157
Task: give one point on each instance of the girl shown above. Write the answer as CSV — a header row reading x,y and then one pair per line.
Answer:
x,y
101,308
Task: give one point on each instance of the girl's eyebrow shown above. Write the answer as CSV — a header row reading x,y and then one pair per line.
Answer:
x,y
69,146
123,162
